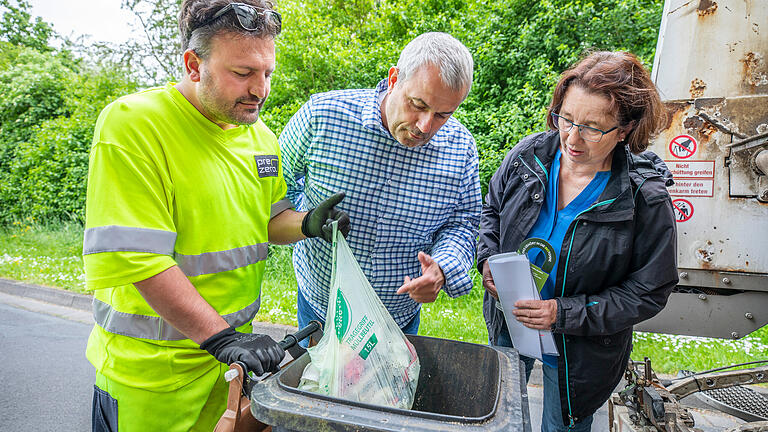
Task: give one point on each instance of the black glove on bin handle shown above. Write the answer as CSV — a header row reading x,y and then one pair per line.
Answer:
x,y
291,344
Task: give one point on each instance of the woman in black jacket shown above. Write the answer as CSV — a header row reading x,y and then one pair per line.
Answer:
x,y
588,189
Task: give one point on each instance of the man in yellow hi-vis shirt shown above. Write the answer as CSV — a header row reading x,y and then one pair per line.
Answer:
x,y
185,190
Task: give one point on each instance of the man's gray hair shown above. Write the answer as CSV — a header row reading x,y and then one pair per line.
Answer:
x,y
442,50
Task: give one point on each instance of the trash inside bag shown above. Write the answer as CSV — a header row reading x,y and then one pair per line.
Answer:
x,y
363,355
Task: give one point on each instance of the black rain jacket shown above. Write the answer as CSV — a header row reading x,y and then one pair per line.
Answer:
x,y
617,263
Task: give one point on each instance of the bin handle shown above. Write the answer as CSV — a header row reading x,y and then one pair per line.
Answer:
x,y
291,341
290,344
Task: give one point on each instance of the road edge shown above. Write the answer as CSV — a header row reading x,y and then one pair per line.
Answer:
x,y
84,302
49,295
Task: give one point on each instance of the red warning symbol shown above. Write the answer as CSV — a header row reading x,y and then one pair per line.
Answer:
x,y
682,146
683,210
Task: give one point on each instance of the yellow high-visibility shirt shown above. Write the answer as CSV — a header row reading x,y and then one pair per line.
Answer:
x,y
169,187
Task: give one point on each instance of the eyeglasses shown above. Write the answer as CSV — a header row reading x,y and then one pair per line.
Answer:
x,y
250,18
587,133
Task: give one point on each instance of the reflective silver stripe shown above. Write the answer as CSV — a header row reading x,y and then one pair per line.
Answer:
x,y
279,207
216,262
156,328
114,238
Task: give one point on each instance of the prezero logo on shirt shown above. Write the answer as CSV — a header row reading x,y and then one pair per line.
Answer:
x,y
266,165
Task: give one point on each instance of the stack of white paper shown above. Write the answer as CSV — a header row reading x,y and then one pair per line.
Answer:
x,y
512,275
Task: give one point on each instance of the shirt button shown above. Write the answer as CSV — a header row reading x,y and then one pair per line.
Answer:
x,y
389,182
525,176
584,223
536,196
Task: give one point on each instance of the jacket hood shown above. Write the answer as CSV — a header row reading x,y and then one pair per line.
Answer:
x,y
657,163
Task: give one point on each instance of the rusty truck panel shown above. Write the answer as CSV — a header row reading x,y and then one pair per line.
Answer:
x,y
711,70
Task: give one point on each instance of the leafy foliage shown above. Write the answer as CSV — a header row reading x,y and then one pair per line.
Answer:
x,y
158,53
49,103
20,29
520,48
517,66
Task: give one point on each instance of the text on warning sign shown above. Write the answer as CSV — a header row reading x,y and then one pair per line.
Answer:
x,y
691,169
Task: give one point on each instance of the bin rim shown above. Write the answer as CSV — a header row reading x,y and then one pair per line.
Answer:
x,y
401,411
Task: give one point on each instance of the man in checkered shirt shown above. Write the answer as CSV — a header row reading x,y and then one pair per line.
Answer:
x,y
410,174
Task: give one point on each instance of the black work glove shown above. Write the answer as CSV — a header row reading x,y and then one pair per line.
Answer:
x,y
317,222
259,352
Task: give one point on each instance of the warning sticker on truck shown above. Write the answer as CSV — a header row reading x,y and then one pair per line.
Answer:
x,y
691,169
692,178
683,146
693,188
683,210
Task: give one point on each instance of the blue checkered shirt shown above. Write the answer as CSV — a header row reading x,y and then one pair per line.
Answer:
x,y
401,200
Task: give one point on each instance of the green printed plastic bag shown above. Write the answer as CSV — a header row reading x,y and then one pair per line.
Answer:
x,y
363,355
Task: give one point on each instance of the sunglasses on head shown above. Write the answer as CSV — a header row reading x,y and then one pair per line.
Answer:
x,y
251,18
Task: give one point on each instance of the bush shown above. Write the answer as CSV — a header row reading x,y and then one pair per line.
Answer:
x,y
49,103
31,92
46,128
520,48
338,44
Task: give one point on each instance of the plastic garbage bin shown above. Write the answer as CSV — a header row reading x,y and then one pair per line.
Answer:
x,y
462,387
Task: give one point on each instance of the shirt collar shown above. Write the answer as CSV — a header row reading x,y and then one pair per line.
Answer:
x,y
372,110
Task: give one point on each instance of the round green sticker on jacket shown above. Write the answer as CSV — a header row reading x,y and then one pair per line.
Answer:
x,y
549,251
540,275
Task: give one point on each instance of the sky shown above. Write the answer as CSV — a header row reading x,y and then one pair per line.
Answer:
x,y
103,20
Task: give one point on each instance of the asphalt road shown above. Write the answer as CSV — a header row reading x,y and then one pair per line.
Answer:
x,y
47,383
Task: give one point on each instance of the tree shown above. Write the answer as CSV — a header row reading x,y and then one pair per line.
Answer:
x,y
520,47
50,170
17,27
49,102
159,52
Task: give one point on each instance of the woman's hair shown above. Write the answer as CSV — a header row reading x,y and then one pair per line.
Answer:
x,y
197,30
621,78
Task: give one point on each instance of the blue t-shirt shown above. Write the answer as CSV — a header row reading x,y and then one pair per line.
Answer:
x,y
552,224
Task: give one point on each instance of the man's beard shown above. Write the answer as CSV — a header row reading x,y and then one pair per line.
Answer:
x,y
222,111
410,141
255,105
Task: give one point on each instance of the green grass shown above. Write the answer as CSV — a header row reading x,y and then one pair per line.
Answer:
x,y
50,254
278,289
458,318
670,353
43,254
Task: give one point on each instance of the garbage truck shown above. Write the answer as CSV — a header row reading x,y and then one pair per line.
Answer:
x,y
712,72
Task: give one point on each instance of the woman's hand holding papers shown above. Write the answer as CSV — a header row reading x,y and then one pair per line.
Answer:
x,y
535,314
488,283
